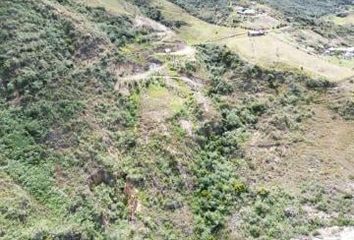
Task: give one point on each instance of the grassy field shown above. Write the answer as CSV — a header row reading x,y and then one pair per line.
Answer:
x,y
271,51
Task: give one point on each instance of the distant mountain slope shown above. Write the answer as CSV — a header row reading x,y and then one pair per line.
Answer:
x,y
302,9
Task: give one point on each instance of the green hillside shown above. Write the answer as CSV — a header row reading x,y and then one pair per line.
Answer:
x,y
307,9
112,127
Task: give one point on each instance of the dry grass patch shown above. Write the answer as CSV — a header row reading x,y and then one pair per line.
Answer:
x,y
324,155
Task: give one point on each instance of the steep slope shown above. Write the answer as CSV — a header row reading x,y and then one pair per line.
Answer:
x,y
112,127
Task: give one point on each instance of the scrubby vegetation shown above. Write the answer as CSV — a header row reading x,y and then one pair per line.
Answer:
x,y
284,96
78,160
307,10
210,11
155,14
47,144
345,108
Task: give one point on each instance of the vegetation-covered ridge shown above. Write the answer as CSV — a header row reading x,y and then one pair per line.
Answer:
x,y
52,69
311,8
84,155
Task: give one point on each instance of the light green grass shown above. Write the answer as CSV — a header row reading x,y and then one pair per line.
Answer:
x,y
164,98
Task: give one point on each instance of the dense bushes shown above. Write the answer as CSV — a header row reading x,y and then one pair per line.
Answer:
x,y
218,187
209,10
345,108
118,28
230,74
306,10
308,14
155,14
30,61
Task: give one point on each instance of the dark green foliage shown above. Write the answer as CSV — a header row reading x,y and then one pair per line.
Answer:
x,y
245,78
306,10
345,108
308,14
27,61
319,84
155,14
209,10
117,28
